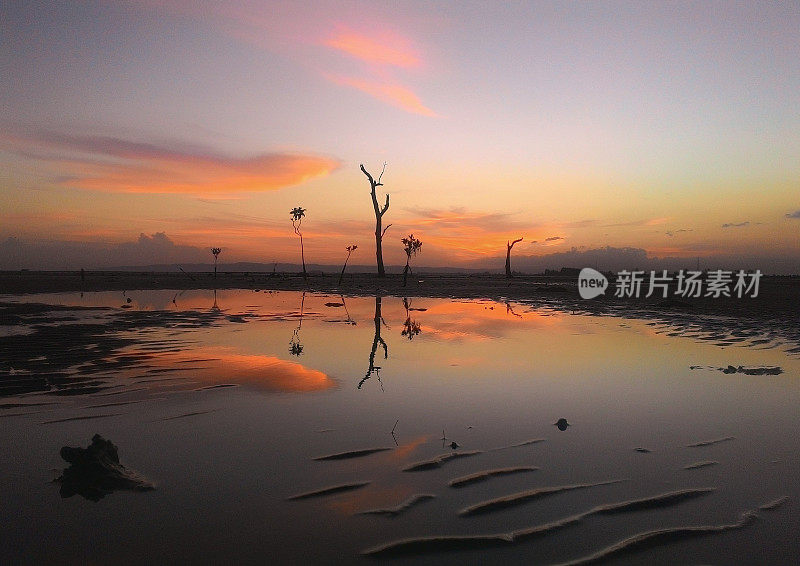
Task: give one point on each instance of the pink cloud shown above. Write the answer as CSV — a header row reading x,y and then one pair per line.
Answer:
x,y
112,164
387,50
391,93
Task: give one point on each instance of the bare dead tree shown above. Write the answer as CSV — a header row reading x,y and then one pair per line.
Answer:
x,y
373,369
510,245
379,212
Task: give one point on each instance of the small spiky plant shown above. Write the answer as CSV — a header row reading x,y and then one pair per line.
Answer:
x,y
216,252
297,214
411,246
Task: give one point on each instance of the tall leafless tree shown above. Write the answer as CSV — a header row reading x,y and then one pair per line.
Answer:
x,y
297,215
510,245
379,212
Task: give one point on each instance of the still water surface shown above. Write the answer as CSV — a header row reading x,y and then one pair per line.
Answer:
x,y
226,402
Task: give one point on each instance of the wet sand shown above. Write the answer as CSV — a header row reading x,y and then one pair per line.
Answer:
x,y
355,481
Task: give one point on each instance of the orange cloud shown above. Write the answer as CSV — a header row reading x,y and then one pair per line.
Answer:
x,y
391,93
387,50
115,165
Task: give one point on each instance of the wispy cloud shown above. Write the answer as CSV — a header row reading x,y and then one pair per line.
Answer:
x,y
380,56
671,233
643,222
391,93
795,214
736,224
113,164
553,238
388,50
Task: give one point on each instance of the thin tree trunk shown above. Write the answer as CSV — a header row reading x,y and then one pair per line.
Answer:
x,y
343,268
303,257
378,239
405,273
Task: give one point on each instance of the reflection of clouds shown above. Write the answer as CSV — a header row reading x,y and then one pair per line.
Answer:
x,y
466,361
267,373
466,321
404,450
369,498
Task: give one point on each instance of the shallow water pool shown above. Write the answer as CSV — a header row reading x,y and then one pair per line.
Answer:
x,y
243,408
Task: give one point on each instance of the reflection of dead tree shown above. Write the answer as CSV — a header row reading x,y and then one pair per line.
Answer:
x,y
373,369
349,319
410,327
510,245
379,212
510,310
295,347
175,298
214,307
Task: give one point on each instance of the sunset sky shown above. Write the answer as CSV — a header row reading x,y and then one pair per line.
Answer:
x,y
672,127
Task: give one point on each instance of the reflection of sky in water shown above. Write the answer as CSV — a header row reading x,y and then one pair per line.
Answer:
x,y
483,374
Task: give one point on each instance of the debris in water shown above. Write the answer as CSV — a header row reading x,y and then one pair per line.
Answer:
x,y
561,424
95,472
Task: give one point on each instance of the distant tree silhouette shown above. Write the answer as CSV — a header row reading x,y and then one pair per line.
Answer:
x,y
411,246
350,249
510,245
379,212
216,252
377,340
297,215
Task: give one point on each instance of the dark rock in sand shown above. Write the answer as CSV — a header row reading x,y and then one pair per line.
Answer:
x,y
95,471
561,424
